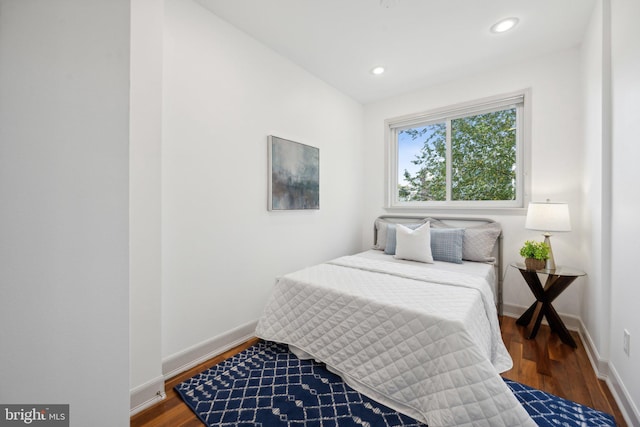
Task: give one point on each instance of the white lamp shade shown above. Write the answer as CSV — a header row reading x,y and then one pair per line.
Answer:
x,y
547,216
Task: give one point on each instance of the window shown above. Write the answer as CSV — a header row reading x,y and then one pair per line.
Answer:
x,y
466,156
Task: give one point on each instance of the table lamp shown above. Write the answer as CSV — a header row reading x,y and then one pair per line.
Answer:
x,y
548,216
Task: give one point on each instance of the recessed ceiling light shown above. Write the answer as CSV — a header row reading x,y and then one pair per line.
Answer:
x,y
377,70
504,25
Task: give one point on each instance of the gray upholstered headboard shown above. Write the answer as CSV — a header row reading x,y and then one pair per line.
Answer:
x,y
462,222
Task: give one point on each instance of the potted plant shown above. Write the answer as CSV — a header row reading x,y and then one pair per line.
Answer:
x,y
535,254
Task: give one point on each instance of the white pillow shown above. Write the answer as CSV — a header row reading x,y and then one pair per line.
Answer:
x,y
414,245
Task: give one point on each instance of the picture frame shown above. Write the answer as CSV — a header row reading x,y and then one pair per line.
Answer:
x,y
294,175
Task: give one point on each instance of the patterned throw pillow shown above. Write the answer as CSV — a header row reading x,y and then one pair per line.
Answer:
x,y
446,244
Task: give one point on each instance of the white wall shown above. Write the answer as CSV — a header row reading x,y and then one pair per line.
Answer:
x,y
224,93
147,28
625,62
556,155
596,189
64,259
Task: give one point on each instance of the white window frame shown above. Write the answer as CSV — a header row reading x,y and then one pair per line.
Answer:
x,y
522,100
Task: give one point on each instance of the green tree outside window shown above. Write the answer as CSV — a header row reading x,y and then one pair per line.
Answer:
x,y
483,159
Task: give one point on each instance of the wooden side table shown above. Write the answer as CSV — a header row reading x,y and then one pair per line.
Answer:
x,y
557,281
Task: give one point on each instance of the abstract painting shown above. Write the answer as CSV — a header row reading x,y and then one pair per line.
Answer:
x,y
294,175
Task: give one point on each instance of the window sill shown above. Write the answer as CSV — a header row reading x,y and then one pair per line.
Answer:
x,y
458,209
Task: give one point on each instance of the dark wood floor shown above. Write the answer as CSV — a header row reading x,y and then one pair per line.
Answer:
x,y
547,364
544,363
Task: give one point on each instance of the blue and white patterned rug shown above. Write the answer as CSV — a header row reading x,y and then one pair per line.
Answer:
x,y
268,386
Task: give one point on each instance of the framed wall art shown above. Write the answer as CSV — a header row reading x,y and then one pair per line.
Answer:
x,y
294,175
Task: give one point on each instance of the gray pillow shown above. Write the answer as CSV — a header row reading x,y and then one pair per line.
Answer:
x,y
479,242
381,234
382,225
446,244
436,223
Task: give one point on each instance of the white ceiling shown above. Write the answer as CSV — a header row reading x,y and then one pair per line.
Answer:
x,y
419,42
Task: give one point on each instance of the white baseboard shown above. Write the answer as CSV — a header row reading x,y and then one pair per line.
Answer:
x,y
146,395
607,372
621,395
193,356
600,365
602,368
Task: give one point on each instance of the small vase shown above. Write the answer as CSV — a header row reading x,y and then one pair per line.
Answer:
x,y
534,264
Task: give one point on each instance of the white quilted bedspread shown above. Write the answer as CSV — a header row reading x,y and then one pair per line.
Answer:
x,y
422,341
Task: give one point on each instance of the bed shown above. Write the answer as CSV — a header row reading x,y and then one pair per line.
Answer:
x,y
421,337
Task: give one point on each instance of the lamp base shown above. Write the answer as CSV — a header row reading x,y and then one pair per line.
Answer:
x,y
550,263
